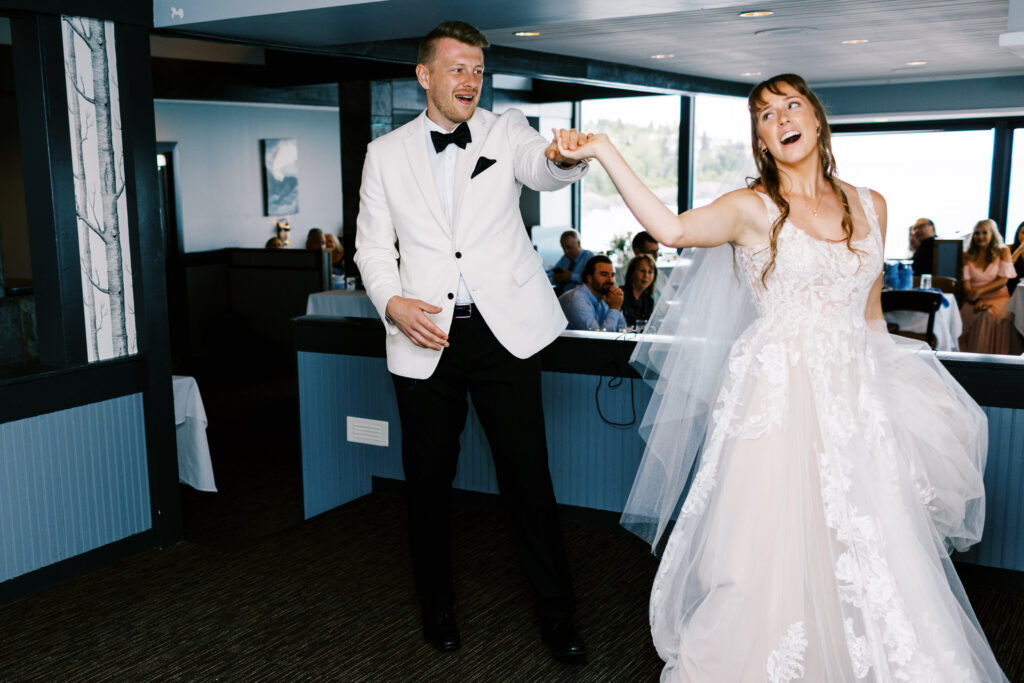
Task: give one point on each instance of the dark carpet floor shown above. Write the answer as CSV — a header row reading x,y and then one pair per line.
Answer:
x,y
255,593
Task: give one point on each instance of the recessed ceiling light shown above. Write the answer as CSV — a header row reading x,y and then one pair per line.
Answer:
x,y
916,63
526,34
665,56
757,13
751,73
858,41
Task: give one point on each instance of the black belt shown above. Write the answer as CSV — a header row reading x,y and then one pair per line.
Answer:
x,y
463,311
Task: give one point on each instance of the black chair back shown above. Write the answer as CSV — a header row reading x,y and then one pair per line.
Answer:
x,y
948,258
914,300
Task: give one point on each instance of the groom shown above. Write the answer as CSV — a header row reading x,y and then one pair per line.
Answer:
x,y
446,260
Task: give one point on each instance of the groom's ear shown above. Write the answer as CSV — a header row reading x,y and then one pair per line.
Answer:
x,y
423,76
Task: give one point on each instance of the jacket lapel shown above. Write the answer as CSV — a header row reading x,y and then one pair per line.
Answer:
x,y
478,128
416,151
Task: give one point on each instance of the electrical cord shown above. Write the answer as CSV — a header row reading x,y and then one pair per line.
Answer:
x,y
614,382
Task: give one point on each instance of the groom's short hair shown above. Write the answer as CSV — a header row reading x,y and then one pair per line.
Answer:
x,y
457,30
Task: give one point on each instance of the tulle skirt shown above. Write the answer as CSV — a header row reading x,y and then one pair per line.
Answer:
x,y
839,469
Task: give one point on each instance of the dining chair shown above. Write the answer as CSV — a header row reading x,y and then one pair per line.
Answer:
x,y
922,301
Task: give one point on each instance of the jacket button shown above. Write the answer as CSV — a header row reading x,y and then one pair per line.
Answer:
x,y
458,254
450,295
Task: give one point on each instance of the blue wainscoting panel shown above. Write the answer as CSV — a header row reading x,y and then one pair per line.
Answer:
x,y
593,443
71,481
1002,543
332,387
592,462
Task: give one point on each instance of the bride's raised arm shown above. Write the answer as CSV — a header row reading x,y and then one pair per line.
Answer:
x,y
734,217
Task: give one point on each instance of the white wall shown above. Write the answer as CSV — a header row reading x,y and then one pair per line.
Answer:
x,y
220,172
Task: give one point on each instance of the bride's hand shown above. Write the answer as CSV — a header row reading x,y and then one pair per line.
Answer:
x,y
568,139
575,146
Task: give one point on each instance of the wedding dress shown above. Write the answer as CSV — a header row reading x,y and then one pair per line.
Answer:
x,y
837,467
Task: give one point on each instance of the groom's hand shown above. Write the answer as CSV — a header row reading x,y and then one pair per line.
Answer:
x,y
410,317
554,154
573,146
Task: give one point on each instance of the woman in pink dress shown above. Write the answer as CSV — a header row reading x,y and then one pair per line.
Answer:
x,y
988,326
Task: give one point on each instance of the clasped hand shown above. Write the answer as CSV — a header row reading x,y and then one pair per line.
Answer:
x,y
615,297
574,146
565,145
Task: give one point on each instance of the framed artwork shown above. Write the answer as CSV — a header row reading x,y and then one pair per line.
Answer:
x,y
280,176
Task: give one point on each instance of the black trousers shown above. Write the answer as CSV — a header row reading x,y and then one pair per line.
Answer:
x,y
506,394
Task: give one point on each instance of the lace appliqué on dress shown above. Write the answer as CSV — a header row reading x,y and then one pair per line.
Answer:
x,y
857,646
773,381
786,662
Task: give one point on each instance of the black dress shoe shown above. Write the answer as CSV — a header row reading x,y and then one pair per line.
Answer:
x,y
563,640
439,630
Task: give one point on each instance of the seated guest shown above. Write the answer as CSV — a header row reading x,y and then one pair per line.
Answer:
x,y
644,244
1017,258
638,299
597,303
337,253
315,239
568,272
987,325
274,243
923,234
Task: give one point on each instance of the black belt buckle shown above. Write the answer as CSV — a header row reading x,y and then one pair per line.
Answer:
x,y
463,311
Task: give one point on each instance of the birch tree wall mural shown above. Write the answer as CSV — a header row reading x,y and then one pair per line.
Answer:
x,y
90,67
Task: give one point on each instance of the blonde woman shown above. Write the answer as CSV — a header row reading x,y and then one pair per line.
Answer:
x,y
988,326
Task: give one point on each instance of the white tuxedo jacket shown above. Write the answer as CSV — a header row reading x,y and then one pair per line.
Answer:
x,y
486,242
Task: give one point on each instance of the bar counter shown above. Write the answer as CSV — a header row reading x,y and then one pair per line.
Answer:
x,y
593,405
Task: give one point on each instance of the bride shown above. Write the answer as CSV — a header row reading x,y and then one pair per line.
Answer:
x,y
838,466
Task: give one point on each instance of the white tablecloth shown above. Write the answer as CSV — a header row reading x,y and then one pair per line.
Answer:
x,y
194,465
341,303
1016,306
947,329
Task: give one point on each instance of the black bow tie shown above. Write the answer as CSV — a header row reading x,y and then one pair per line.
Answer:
x,y
460,136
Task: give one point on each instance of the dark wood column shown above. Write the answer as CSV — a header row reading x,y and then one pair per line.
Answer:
x,y
37,49
355,116
138,131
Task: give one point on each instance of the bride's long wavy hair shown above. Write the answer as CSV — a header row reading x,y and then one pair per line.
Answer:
x,y
769,173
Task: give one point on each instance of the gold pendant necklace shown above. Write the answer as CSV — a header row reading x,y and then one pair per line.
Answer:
x,y
814,211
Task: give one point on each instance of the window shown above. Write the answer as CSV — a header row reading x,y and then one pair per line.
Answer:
x,y
941,175
1015,208
646,131
721,147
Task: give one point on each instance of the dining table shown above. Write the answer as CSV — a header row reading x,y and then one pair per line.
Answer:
x,y
341,303
947,328
195,466
1016,306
